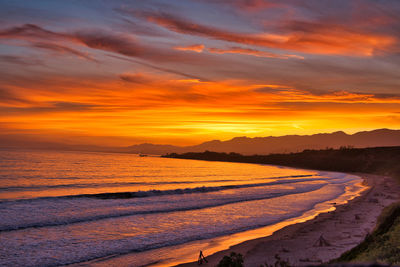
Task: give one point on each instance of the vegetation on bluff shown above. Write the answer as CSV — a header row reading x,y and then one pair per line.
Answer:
x,y
383,245
377,160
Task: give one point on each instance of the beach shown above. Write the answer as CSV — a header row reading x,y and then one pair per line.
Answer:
x,y
323,238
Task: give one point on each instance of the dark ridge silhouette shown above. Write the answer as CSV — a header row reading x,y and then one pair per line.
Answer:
x,y
242,145
281,144
377,160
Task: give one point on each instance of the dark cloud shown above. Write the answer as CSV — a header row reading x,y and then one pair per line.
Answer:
x,y
19,60
128,46
182,25
109,42
62,50
135,78
250,52
248,5
383,95
272,89
184,74
51,107
9,97
66,106
142,28
123,44
30,31
94,39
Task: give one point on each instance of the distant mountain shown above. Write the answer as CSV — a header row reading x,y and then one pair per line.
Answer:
x,y
147,148
242,145
281,144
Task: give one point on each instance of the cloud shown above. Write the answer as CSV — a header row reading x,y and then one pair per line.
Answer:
x,y
8,97
94,39
141,28
20,60
135,78
109,42
164,101
62,50
233,78
336,39
195,48
248,5
199,48
251,52
50,107
117,43
30,31
63,106
309,37
180,73
290,94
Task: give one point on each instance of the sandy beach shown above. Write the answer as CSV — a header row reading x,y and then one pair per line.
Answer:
x,y
341,230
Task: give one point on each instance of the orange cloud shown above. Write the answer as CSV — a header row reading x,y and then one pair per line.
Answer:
x,y
251,52
199,48
145,106
195,48
315,38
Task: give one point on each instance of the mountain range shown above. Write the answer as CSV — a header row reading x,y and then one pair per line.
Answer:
x,y
242,145
281,144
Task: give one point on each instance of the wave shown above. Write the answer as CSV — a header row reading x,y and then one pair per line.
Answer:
x,y
180,191
123,184
117,214
174,242
155,192
104,255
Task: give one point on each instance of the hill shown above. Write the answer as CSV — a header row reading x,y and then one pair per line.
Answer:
x,y
281,144
377,160
242,145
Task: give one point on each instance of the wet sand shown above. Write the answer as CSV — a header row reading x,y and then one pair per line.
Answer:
x,y
341,230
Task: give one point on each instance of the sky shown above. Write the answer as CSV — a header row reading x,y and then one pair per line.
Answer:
x,y
182,72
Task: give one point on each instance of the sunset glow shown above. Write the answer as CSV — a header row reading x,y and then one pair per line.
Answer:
x,y
184,72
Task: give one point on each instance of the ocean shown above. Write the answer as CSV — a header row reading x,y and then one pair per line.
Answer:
x,y
104,209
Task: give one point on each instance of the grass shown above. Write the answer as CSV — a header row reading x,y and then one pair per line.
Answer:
x,y
383,245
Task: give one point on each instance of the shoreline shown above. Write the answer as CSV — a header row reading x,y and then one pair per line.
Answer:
x,y
299,243
186,253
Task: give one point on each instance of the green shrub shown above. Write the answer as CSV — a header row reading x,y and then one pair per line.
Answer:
x,y
383,245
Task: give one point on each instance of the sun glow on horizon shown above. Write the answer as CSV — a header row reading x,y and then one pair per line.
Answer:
x,y
134,75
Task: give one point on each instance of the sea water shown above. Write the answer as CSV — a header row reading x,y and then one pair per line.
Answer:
x,y
60,208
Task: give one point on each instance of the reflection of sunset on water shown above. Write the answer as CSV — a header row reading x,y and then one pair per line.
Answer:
x,y
136,205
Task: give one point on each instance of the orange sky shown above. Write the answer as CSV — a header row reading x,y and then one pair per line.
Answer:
x,y
182,74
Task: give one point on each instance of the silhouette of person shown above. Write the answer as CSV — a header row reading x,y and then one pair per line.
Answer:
x,y
201,258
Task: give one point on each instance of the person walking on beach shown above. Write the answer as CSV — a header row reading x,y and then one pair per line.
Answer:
x,y
201,258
